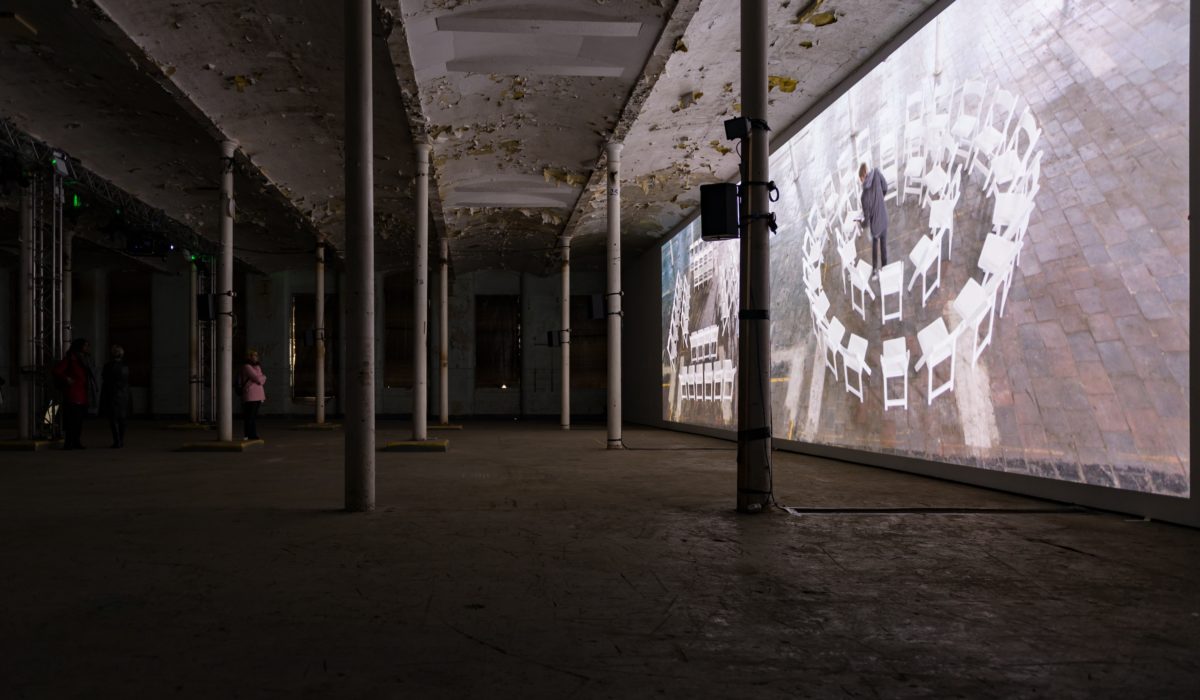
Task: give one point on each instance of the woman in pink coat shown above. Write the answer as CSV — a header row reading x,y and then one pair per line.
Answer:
x,y
253,394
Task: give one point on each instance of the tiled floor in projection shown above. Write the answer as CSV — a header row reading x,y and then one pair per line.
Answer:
x,y
1086,378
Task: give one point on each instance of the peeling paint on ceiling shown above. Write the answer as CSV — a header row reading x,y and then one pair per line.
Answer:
x,y
518,98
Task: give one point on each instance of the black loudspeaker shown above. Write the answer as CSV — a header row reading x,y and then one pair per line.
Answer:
x,y
206,308
718,211
596,309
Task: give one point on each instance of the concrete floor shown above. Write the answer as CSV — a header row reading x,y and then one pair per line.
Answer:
x,y
533,562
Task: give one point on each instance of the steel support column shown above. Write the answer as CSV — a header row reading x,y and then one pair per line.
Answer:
x,y
319,341
564,338
444,331
68,290
25,354
360,262
225,299
613,298
193,344
754,338
420,390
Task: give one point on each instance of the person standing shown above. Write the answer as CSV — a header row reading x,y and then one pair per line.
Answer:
x,y
874,214
76,380
253,394
114,394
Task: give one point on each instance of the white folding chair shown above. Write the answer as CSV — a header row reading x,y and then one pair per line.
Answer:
x,y
938,142
1013,158
828,200
894,363
941,211
992,133
1031,176
1022,224
891,282
710,377
970,108
926,254
727,375
938,101
973,304
812,278
937,346
854,359
834,332
860,282
819,305
847,254
914,169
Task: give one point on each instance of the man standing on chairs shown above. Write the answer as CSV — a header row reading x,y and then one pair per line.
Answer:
x,y
874,214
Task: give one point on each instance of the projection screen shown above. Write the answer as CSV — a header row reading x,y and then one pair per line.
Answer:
x,y
1033,313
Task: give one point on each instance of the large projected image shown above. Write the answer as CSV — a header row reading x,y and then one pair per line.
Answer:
x,y
699,310
1032,314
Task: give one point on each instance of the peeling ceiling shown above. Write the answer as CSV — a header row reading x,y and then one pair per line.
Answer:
x,y
518,99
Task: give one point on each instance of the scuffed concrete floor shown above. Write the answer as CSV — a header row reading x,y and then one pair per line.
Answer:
x,y
532,562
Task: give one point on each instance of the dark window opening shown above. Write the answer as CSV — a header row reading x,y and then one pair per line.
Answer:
x,y
498,341
302,359
129,316
398,331
589,342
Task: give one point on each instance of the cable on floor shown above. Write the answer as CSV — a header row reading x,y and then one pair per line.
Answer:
x,y
1079,510
679,449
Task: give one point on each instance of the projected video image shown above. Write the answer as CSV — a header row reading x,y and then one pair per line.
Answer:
x,y
700,305
1012,291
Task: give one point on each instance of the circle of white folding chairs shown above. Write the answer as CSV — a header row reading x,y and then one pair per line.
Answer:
x,y
950,133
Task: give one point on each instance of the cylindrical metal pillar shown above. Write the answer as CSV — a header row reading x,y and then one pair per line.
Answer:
x,y
68,288
319,341
754,337
613,298
225,299
25,409
193,344
564,338
444,331
360,262
341,336
421,298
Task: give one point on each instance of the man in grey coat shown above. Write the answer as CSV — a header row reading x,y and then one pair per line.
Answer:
x,y
874,214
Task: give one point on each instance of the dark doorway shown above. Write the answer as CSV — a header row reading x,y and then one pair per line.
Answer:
x,y
498,341
302,358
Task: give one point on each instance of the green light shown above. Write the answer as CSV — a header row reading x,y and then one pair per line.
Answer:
x,y
76,202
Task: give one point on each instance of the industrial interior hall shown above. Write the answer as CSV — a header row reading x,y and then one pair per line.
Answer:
x,y
596,348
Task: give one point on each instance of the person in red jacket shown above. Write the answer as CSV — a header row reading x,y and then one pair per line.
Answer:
x,y
75,378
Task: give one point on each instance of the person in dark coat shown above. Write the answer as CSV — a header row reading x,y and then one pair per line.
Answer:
x,y
77,382
874,214
114,394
